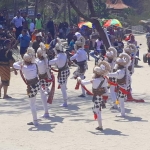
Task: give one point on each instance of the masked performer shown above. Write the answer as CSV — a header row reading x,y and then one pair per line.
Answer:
x,y
111,56
99,86
44,76
30,72
81,58
61,62
122,76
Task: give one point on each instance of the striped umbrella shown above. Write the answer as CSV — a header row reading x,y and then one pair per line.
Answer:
x,y
112,22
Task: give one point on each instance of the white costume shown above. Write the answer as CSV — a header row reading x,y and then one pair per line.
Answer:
x,y
111,56
81,58
61,62
122,76
30,73
99,86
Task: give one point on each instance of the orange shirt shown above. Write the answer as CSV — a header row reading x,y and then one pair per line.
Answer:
x,y
33,37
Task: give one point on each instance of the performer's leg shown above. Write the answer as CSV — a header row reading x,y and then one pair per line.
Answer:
x,y
83,91
113,96
121,101
99,119
64,93
33,110
44,102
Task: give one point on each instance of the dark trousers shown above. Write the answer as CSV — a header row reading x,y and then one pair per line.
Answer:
x,y
18,31
52,33
148,60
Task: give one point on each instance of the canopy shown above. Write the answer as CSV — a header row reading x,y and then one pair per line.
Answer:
x,y
87,24
112,22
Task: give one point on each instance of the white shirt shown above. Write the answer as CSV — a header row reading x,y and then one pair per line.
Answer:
x,y
81,55
59,61
42,67
18,22
30,72
32,27
99,43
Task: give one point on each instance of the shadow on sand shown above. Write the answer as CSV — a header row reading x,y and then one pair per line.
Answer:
x,y
108,131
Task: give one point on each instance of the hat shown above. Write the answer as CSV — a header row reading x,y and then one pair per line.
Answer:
x,y
59,47
27,57
103,68
112,53
41,52
39,34
123,60
131,48
31,51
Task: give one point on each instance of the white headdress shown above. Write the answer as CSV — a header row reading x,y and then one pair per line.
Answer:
x,y
103,68
111,53
131,48
30,55
123,60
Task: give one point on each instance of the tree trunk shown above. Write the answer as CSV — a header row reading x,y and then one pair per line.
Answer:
x,y
36,7
65,10
15,7
69,13
27,3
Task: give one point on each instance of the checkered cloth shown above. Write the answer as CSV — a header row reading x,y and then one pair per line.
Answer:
x,y
98,102
78,73
121,95
32,90
44,83
113,80
62,78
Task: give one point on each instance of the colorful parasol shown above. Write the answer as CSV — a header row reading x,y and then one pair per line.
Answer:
x,y
88,24
112,22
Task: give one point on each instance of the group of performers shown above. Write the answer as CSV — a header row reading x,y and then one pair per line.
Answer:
x,y
113,74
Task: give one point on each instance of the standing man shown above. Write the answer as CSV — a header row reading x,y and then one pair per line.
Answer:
x,y
50,27
18,23
38,22
24,40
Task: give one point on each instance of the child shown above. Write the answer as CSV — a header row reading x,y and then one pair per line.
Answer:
x,y
34,35
99,85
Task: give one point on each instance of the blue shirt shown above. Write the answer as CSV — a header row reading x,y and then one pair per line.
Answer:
x,y
24,40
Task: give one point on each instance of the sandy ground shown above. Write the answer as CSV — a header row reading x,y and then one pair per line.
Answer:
x,y
73,128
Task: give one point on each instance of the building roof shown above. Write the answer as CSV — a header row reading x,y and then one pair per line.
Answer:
x,y
116,4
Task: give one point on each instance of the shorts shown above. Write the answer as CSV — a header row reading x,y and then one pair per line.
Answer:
x,y
5,75
23,50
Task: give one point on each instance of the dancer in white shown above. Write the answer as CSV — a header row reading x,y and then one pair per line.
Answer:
x,y
99,86
111,56
61,62
30,72
81,58
122,76
44,76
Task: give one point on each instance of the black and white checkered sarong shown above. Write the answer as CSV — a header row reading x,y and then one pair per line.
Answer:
x,y
98,102
32,90
44,83
62,78
121,95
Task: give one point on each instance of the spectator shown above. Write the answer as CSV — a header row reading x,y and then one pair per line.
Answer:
x,y
87,46
97,48
38,22
70,36
18,23
36,43
49,38
2,20
32,26
35,32
50,27
5,58
24,40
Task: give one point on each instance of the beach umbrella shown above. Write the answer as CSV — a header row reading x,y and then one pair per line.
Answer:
x,y
87,24
112,22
